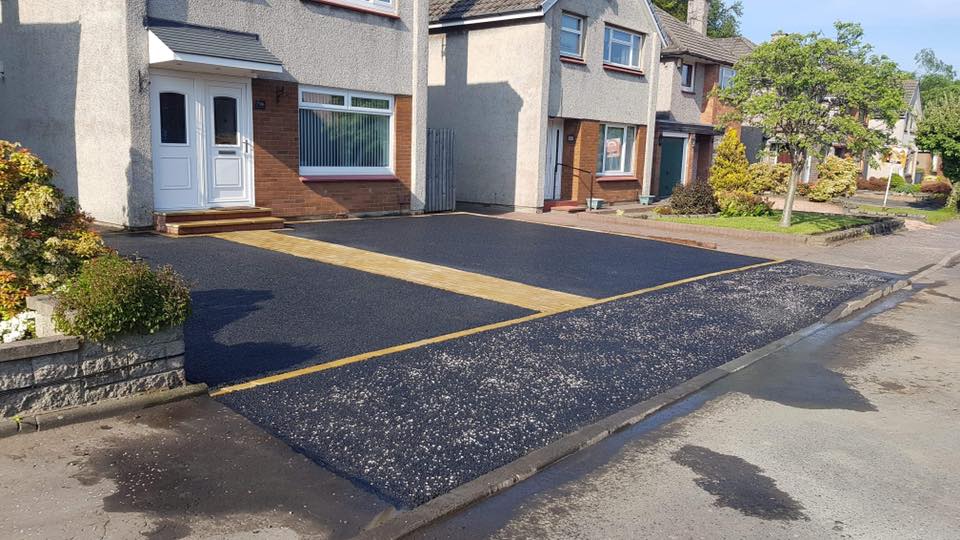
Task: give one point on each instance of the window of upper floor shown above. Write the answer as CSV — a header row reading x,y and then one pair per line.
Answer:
x,y
571,35
622,47
387,7
688,77
726,76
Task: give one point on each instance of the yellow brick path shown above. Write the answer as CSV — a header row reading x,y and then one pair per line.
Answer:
x,y
431,275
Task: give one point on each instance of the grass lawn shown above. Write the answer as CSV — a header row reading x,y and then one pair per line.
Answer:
x,y
933,216
803,222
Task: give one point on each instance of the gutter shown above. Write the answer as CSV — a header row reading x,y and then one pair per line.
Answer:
x,y
487,19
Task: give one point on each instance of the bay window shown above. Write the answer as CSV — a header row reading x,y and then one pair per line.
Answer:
x,y
621,48
344,132
615,155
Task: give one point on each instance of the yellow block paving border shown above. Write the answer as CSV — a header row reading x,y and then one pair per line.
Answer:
x,y
271,379
422,273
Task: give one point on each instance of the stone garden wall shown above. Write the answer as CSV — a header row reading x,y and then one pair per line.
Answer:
x,y
56,372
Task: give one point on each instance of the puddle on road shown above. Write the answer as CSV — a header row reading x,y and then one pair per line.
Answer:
x,y
739,485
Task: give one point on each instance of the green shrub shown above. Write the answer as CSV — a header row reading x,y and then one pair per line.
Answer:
x,y
896,182
837,178
729,169
112,296
763,177
694,198
742,203
44,237
906,188
803,189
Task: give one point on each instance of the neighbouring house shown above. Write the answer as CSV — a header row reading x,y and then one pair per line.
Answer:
x,y
692,66
551,102
902,157
305,107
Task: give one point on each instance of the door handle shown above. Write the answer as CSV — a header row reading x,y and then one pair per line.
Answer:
x,y
246,146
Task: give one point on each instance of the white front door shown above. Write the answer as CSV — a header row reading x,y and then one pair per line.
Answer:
x,y
554,172
227,145
176,144
202,134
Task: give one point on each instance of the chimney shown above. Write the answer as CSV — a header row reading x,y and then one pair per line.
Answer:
x,y
697,11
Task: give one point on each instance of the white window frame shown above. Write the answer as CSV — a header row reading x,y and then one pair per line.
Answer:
x,y
623,171
348,107
578,33
725,80
693,77
385,6
608,37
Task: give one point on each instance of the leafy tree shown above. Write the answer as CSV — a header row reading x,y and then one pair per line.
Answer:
x,y
729,169
939,132
722,20
807,92
937,78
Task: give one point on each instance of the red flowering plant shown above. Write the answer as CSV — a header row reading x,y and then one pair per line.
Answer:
x,y
44,237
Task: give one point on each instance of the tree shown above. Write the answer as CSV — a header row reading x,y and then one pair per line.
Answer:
x,y
722,21
937,78
729,169
807,92
939,132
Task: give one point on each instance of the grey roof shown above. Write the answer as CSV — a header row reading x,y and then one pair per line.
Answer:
x,y
203,40
684,40
447,10
739,46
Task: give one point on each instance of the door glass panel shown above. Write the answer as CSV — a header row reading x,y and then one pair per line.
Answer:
x,y
173,118
224,120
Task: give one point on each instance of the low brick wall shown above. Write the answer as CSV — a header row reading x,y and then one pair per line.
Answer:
x,y
58,372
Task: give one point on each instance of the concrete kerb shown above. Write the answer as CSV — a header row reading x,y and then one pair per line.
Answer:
x,y
525,467
97,411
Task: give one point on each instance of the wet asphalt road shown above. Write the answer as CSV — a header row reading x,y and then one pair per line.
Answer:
x,y
413,425
579,262
256,312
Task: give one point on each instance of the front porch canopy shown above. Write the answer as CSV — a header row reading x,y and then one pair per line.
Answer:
x,y
200,48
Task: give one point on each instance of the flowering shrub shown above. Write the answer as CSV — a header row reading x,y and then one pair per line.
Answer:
x,y
44,237
838,178
763,177
20,326
742,203
111,296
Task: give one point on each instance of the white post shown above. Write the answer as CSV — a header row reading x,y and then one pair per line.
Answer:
x,y
887,194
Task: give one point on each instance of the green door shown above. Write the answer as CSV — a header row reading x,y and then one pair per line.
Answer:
x,y
671,164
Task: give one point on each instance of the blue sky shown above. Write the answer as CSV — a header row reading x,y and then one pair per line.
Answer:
x,y
897,28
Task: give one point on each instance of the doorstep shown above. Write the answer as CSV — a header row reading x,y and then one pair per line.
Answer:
x,y
216,220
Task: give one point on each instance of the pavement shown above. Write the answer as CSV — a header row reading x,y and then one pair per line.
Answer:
x,y
394,422
846,434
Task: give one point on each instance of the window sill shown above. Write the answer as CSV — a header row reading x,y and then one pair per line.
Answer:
x,y
688,90
620,69
360,9
617,178
349,178
572,60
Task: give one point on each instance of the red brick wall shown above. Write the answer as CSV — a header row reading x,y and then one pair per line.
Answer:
x,y
585,157
278,186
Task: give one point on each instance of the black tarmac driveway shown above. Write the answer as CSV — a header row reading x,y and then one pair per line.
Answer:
x,y
580,262
414,425
256,312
